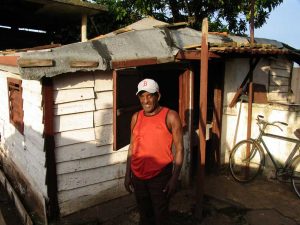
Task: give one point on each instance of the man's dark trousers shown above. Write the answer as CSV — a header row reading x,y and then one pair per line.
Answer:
x,y
152,202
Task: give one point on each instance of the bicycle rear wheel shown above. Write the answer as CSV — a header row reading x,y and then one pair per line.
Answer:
x,y
244,166
296,175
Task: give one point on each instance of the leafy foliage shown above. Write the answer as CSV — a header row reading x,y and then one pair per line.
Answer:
x,y
224,15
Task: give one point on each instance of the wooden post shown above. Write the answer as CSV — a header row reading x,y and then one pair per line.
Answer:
x,y
202,118
49,148
250,101
84,28
186,103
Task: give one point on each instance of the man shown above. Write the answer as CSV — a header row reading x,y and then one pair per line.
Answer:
x,y
152,170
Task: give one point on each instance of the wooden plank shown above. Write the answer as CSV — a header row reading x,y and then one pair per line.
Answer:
x,y
194,55
91,163
13,195
38,177
37,153
88,177
83,64
133,62
104,100
104,135
63,96
103,117
9,60
33,115
74,80
74,136
81,151
2,221
26,63
277,81
36,138
279,89
90,190
74,107
34,86
73,121
31,97
280,73
103,81
83,202
202,118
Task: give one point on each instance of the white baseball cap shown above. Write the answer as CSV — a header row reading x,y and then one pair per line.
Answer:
x,y
148,85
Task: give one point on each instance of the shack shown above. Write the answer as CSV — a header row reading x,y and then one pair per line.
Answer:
x,y
65,111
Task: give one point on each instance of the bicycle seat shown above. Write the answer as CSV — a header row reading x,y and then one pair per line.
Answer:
x,y
297,133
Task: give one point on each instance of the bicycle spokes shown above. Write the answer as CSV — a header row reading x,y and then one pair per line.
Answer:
x,y
246,161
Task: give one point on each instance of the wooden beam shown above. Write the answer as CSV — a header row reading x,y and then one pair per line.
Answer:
x,y
115,77
84,64
26,63
240,89
9,60
133,63
84,28
202,117
194,55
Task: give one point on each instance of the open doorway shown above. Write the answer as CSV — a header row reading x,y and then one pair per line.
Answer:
x,y
126,101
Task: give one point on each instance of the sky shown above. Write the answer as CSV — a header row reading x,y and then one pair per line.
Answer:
x,y
283,24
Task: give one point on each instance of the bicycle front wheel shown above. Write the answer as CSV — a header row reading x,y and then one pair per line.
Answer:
x,y
246,160
296,175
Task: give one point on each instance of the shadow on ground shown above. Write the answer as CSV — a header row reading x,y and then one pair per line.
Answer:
x,y
226,202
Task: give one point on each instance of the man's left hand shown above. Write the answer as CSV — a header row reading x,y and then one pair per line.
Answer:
x,y
170,187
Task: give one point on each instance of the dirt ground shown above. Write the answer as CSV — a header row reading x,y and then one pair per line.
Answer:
x,y
226,202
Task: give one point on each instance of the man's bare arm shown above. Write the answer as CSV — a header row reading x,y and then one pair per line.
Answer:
x,y
127,181
174,124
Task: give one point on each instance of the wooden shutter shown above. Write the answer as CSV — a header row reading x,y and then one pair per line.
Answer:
x,y
15,103
126,104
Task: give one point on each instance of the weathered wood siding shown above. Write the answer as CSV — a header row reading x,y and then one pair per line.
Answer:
x,y
234,120
89,171
25,151
296,85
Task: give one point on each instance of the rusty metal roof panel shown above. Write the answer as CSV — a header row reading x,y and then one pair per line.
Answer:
x,y
160,43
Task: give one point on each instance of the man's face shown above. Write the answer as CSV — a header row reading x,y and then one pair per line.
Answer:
x,y
149,101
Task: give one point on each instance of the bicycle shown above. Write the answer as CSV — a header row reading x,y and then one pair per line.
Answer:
x,y
247,158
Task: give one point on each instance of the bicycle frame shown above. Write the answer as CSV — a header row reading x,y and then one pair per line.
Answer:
x,y
289,160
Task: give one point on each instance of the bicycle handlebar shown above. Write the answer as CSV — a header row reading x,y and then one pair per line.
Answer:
x,y
260,120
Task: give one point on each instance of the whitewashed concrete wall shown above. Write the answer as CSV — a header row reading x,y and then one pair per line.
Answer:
x,y
27,150
89,171
234,123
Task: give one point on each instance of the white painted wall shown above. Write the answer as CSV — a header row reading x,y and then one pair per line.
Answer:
x,y
27,150
88,170
234,123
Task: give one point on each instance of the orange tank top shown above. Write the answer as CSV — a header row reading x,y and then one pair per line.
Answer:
x,y
152,142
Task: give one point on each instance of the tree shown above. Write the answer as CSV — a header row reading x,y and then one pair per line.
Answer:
x,y
224,15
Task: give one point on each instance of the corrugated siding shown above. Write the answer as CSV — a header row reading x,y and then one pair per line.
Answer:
x,y
89,171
